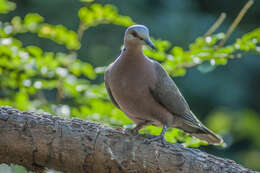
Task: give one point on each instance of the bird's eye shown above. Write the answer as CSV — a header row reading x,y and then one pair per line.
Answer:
x,y
134,34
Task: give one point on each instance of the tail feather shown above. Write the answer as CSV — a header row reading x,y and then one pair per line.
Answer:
x,y
200,131
207,135
190,124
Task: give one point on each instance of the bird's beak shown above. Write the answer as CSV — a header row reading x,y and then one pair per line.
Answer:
x,y
150,43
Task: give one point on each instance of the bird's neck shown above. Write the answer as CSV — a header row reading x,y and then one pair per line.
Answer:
x,y
132,51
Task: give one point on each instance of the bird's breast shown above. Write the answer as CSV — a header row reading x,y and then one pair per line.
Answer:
x,y
130,87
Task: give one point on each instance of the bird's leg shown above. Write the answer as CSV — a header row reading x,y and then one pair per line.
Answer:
x,y
134,131
160,137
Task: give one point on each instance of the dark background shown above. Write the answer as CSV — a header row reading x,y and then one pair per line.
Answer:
x,y
234,87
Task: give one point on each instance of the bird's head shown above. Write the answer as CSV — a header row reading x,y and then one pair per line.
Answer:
x,y
138,35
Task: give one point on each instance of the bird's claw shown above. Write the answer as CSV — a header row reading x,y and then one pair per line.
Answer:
x,y
157,138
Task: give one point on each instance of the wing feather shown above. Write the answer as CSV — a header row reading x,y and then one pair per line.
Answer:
x,y
166,93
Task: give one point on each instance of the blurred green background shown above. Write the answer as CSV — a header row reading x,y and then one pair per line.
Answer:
x,y
53,55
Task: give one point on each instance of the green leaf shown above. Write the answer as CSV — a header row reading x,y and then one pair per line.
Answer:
x,y
97,14
6,6
32,20
60,34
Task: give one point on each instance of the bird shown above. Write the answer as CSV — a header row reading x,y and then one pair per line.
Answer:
x,y
143,90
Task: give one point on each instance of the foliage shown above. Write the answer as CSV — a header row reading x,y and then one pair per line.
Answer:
x,y
60,83
6,6
202,51
97,14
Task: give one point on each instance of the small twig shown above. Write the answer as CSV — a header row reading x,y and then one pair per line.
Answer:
x,y
236,22
81,28
80,31
212,29
215,26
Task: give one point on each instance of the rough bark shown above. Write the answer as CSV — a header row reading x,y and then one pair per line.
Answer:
x,y
38,141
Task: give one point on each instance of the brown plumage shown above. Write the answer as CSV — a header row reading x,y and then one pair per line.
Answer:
x,y
143,90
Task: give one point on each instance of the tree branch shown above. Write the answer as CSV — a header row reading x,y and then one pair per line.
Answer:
x,y
236,22
38,141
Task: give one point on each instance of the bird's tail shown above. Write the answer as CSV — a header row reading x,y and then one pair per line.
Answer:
x,y
205,134
195,128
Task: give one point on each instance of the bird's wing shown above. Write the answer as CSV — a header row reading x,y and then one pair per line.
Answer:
x,y
106,78
167,94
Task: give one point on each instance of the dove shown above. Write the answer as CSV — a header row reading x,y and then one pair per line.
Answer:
x,y
143,90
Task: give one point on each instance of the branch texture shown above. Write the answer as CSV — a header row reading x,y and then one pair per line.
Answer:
x,y
38,141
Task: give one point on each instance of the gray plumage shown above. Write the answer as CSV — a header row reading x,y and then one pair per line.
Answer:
x,y
144,91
